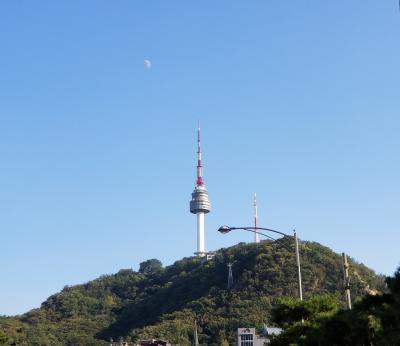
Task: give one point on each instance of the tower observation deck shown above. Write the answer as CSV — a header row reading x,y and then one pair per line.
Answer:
x,y
200,203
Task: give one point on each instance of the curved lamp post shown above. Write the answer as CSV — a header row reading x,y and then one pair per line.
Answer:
x,y
226,229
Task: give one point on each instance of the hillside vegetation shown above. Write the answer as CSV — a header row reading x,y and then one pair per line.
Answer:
x,y
374,320
164,302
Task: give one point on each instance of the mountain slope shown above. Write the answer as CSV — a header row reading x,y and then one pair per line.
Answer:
x,y
164,302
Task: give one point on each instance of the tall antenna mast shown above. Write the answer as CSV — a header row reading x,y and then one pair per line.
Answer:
x,y
256,235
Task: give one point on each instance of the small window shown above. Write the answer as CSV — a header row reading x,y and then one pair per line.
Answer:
x,y
246,340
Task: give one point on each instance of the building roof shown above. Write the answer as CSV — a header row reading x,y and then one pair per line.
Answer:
x,y
272,330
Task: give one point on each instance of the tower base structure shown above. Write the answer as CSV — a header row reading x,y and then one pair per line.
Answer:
x,y
205,256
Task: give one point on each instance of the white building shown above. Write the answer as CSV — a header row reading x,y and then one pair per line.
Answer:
x,y
249,337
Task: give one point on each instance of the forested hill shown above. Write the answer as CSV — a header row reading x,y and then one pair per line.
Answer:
x,y
164,302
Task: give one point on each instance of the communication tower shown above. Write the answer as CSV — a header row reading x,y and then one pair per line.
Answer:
x,y
200,203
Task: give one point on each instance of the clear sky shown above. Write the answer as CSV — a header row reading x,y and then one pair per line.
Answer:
x,y
298,101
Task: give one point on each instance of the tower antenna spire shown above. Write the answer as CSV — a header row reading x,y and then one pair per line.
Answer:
x,y
199,181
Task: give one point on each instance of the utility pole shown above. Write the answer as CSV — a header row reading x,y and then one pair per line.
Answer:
x,y
296,242
195,341
346,280
230,276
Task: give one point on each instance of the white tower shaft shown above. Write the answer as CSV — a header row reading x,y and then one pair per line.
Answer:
x,y
201,248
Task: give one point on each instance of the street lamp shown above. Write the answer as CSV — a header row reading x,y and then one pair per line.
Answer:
x,y
226,229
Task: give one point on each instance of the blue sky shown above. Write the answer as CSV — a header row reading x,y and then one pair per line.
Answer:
x,y
297,101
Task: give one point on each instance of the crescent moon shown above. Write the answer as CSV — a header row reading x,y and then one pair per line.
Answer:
x,y
147,64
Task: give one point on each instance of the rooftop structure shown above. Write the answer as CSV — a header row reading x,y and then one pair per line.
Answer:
x,y
153,342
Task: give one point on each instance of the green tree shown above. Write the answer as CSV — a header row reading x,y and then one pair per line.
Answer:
x,y
151,266
298,318
74,340
3,338
374,320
